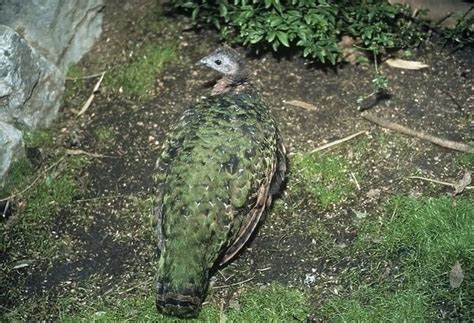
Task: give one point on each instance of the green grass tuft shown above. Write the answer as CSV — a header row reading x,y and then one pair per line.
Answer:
x,y
137,78
428,233
274,303
38,138
74,72
324,176
465,160
372,304
18,175
408,255
104,134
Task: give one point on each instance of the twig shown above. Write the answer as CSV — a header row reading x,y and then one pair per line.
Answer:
x,y
234,284
91,97
264,269
459,107
418,134
34,182
301,104
5,209
103,198
337,142
83,77
439,182
82,152
355,181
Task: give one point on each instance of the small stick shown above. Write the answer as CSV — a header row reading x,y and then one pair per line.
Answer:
x,y
83,77
91,97
7,205
355,181
301,104
337,142
34,182
75,152
264,269
439,182
234,284
418,134
103,198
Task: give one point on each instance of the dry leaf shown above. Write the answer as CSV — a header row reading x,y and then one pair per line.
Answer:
x,y
463,183
456,276
302,104
407,65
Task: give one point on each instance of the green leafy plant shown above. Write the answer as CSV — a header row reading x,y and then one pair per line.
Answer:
x,y
461,35
314,26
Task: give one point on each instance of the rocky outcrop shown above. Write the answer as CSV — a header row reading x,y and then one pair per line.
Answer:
x,y
61,30
39,40
30,87
11,146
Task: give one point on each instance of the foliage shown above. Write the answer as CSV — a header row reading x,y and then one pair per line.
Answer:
x,y
313,26
462,33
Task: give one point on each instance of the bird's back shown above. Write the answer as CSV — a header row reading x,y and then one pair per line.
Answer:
x,y
221,154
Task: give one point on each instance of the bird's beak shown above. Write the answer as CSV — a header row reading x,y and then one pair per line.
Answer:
x,y
203,61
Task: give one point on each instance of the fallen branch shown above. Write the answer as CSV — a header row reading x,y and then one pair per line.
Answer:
x,y
337,142
418,134
439,182
34,182
91,97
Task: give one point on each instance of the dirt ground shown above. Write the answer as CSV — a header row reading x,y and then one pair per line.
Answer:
x,y
111,249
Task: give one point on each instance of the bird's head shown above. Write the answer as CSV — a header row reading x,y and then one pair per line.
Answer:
x,y
227,61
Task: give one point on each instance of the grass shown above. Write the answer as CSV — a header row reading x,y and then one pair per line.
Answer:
x,y
137,78
420,240
38,138
274,303
37,199
325,176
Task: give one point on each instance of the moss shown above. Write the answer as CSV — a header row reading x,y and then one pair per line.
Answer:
x,y
104,134
137,78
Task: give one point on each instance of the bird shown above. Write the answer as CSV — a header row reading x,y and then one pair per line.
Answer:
x,y
220,167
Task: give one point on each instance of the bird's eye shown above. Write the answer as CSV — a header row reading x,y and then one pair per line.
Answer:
x,y
218,62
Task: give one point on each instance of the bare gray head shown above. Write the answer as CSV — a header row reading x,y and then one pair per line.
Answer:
x,y
227,61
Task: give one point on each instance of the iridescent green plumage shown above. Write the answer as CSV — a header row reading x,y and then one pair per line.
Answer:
x,y
215,177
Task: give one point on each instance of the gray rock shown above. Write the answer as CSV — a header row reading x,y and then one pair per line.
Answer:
x,y
11,147
30,86
61,30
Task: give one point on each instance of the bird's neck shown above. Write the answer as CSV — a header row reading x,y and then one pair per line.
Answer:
x,y
233,83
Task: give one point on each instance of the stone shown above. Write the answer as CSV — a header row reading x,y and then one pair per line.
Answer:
x,y
62,31
11,147
30,86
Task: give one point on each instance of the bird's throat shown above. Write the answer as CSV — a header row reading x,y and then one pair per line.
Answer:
x,y
229,83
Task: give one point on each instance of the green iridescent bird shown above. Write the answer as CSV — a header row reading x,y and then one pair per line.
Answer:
x,y
219,169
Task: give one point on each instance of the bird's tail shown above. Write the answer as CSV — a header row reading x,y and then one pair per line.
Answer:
x,y
185,302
